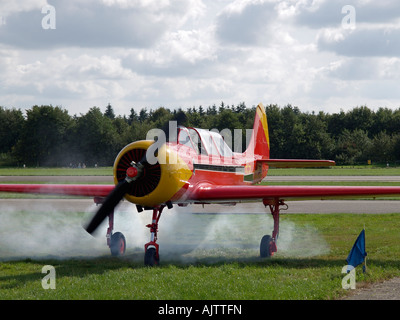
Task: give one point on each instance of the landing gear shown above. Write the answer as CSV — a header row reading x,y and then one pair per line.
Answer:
x,y
151,255
266,246
268,243
117,244
115,241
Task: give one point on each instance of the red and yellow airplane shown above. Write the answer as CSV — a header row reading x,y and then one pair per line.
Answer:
x,y
197,167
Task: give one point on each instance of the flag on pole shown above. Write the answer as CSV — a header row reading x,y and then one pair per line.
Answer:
x,y
357,253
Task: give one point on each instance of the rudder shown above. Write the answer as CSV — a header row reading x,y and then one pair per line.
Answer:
x,y
259,142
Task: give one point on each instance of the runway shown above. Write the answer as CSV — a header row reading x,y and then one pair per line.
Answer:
x,y
333,178
309,206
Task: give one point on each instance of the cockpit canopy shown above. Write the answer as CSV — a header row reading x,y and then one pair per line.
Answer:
x,y
204,142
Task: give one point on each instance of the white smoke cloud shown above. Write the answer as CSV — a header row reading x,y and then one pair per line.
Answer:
x,y
45,232
216,233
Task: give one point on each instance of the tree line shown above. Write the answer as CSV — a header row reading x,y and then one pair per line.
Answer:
x,y
49,136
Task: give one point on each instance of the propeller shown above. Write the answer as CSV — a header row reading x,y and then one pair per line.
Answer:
x,y
116,195
133,172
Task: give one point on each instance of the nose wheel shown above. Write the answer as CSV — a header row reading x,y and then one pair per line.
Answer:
x,y
151,257
151,254
117,243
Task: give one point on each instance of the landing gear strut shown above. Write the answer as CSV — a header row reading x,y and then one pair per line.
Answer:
x,y
115,241
268,243
151,255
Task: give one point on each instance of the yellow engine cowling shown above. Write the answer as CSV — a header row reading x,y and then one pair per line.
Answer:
x,y
158,182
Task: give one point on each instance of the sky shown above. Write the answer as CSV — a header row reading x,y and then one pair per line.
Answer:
x,y
318,55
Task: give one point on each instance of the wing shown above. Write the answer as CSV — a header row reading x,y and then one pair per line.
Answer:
x,y
209,193
87,190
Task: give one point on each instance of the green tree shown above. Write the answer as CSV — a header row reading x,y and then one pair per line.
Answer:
x,y
43,136
143,115
317,143
382,148
11,123
109,113
160,117
359,118
133,116
97,139
353,147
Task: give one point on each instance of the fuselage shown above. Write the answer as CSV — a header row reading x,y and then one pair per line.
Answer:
x,y
212,161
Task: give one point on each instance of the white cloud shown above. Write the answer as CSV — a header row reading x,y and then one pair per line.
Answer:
x,y
93,24
8,7
361,42
185,53
246,23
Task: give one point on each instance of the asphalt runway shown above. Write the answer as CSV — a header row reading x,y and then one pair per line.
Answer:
x,y
334,178
309,206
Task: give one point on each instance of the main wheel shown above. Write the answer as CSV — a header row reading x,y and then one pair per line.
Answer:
x,y
117,244
265,246
150,257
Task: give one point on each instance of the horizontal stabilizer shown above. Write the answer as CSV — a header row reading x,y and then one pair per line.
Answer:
x,y
297,163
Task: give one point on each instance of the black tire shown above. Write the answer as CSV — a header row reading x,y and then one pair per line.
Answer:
x,y
265,246
150,257
117,244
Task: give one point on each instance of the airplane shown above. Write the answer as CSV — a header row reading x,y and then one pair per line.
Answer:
x,y
196,166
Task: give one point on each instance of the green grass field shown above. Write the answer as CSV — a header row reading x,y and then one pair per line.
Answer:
x,y
311,254
337,171
105,171
308,265
101,171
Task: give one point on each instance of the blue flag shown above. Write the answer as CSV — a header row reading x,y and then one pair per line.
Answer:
x,y
357,253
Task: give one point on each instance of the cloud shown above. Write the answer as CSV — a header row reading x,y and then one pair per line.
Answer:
x,y
179,53
94,24
60,77
319,14
246,23
148,53
8,7
361,42
364,68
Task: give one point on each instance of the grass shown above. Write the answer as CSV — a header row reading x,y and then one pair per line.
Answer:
x,y
312,252
107,171
231,272
337,171
101,171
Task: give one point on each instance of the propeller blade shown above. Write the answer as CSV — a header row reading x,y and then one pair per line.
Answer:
x,y
116,195
108,205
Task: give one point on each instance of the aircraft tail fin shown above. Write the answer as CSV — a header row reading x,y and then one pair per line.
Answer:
x,y
259,142
259,147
